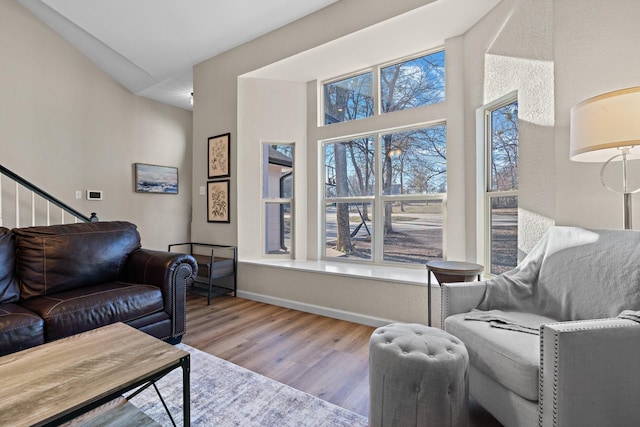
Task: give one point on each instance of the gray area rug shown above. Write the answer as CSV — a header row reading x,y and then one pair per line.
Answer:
x,y
224,394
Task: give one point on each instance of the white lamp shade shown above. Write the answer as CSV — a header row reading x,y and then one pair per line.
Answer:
x,y
605,123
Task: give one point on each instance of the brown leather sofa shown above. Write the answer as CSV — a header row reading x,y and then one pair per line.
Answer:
x,y
59,280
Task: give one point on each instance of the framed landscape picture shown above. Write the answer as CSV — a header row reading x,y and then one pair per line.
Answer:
x,y
155,179
218,201
218,157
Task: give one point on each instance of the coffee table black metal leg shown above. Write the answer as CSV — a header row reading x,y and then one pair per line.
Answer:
x,y
186,390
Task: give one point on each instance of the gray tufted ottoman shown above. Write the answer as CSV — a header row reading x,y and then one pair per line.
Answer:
x,y
418,376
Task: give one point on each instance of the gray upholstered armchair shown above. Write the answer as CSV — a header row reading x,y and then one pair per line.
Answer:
x,y
556,341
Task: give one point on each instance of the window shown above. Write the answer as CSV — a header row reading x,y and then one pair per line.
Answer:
x,y
403,85
277,197
385,191
501,201
398,178
348,99
413,83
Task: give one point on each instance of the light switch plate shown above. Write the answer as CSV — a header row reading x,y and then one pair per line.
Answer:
x,y
203,190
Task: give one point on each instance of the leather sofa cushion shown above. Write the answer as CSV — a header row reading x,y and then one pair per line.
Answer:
x,y
19,329
71,312
52,259
9,288
510,358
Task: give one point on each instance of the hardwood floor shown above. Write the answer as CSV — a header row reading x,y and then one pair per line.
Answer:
x,y
325,357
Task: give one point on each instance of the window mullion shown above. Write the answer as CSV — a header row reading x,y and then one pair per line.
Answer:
x,y
378,205
376,91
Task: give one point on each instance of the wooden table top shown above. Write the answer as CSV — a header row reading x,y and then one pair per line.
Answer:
x,y
455,267
46,382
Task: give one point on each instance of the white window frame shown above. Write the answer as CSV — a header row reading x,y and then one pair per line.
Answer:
x,y
377,200
376,88
483,179
267,201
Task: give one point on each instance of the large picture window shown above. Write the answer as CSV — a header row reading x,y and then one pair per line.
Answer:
x,y
397,177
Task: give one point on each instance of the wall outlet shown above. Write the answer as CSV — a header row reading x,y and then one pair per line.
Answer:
x,y
203,190
78,194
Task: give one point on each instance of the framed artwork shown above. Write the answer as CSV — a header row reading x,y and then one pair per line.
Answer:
x,y
219,154
155,179
218,201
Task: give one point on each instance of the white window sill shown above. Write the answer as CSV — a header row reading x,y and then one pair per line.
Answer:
x,y
413,276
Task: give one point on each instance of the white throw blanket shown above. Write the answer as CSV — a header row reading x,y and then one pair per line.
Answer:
x,y
571,274
515,321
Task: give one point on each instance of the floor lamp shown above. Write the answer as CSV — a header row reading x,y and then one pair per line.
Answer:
x,y
606,129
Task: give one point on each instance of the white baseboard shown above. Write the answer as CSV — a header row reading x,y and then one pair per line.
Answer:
x,y
317,309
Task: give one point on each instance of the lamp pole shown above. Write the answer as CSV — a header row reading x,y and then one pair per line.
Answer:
x,y
627,194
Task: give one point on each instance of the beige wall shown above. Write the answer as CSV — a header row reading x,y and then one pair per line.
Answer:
x,y
552,53
216,92
595,51
227,101
511,51
67,126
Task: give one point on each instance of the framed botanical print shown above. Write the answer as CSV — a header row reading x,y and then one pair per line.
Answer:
x,y
218,201
219,154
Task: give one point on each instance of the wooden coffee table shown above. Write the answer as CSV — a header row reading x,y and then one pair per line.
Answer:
x,y
55,382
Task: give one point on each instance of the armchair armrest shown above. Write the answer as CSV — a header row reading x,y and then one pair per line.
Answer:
x,y
460,297
589,373
171,272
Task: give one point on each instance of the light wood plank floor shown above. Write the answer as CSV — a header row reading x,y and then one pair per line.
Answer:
x,y
325,357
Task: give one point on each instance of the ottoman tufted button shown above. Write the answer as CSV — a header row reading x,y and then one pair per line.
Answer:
x,y
396,376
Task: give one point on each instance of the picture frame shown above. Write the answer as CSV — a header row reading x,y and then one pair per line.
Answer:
x,y
219,156
155,179
218,201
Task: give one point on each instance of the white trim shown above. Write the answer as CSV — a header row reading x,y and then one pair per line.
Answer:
x,y
481,160
316,309
416,275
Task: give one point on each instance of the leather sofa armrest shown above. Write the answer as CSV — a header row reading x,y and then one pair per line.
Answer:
x,y
589,373
460,297
171,272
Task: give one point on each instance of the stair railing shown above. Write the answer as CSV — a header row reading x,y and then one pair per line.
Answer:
x,y
67,213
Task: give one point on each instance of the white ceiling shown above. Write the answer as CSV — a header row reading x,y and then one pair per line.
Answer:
x,y
151,46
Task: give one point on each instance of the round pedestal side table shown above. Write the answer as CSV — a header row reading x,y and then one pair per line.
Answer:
x,y
451,272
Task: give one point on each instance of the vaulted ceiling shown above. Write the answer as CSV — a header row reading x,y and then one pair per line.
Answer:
x,y
150,46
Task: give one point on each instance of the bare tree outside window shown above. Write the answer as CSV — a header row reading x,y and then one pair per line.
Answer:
x,y
504,147
413,163
348,99
413,83
503,177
